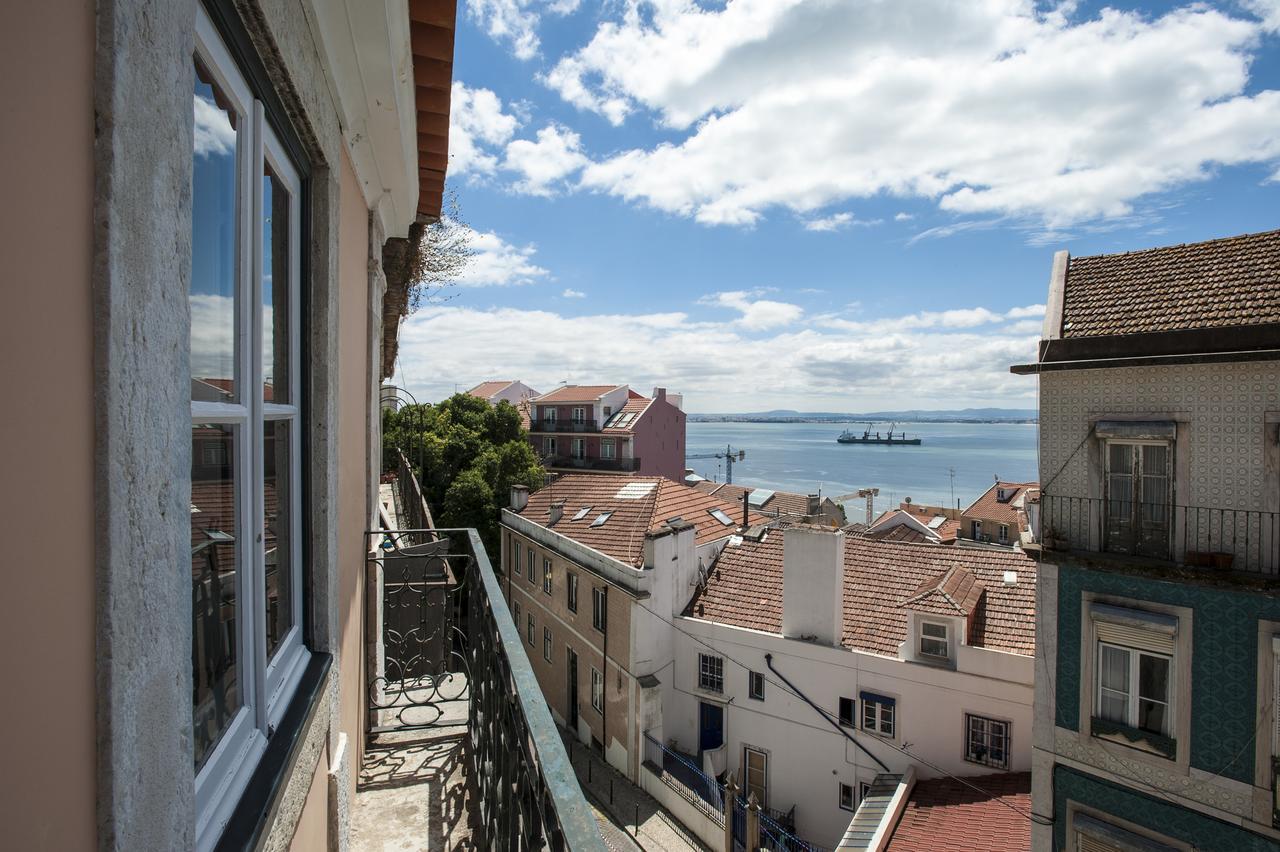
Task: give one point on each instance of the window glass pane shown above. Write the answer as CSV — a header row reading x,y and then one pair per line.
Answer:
x,y
215,529
1153,693
277,501
213,243
275,288
1115,668
938,631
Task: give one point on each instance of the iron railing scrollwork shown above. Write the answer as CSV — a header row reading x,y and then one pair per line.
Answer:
x,y
449,643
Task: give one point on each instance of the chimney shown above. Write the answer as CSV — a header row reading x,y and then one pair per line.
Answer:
x,y
519,497
557,511
746,505
813,584
660,393
815,504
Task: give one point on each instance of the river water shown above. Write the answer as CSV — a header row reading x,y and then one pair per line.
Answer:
x,y
805,458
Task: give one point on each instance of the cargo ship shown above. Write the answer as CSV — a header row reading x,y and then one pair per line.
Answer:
x,y
869,437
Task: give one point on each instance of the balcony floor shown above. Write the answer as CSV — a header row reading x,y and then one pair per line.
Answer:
x,y
414,794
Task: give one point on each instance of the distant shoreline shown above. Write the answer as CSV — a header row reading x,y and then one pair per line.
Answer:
x,y
746,418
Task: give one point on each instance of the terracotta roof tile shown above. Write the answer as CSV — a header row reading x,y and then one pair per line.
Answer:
x,y
954,591
745,590
484,390
622,535
945,815
1220,283
576,393
780,504
989,507
634,405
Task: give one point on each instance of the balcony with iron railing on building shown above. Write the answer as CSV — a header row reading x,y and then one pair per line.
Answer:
x,y
588,462
563,426
1229,542
461,750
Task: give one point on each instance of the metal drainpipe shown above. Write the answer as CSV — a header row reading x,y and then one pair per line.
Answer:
x,y
768,661
604,686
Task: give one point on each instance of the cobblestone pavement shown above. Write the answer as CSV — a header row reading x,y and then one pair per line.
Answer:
x,y
619,804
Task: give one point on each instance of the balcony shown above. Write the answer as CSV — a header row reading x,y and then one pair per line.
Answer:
x,y
630,465
1240,541
460,747
563,426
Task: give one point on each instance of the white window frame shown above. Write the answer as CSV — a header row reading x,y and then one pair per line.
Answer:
x,y
1002,533
579,448
882,718
516,554
549,447
922,638
579,414
842,790
266,686
975,530
546,575
571,590
599,616
608,449
711,673
1132,696
754,680
597,690
548,414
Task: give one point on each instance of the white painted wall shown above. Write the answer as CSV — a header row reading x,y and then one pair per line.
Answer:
x,y
807,757
813,584
614,399
514,393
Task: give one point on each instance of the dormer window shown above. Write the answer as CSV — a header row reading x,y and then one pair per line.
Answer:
x,y
933,640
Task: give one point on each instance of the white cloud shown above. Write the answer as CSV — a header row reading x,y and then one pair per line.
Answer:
x,y
545,163
214,133
570,293
1025,311
718,365
903,217
497,263
476,121
515,22
1042,116
1267,10
838,222
756,314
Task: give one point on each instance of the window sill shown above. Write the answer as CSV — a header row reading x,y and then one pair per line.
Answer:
x,y
1161,746
259,803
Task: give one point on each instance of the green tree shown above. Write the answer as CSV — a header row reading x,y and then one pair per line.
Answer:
x,y
467,454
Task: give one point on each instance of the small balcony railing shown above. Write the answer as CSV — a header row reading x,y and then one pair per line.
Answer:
x,y
563,426
1193,536
628,465
443,650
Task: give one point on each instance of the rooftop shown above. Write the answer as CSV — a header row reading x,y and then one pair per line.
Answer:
x,y
989,506
634,506
1221,283
745,590
763,500
576,393
485,390
624,419
946,815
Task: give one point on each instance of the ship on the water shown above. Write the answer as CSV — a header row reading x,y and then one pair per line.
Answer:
x,y
869,437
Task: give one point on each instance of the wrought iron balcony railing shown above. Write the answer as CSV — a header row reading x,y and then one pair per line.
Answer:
x,y
1193,536
563,426
629,465
445,651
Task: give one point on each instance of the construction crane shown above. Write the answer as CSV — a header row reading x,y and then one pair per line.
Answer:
x,y
730,455
868,494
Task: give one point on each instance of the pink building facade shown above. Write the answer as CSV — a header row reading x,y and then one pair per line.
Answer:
x,y
609,428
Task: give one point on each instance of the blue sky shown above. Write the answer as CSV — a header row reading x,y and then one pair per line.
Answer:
x,y
827,205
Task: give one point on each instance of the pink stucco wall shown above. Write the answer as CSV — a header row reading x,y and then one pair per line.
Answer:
x,y
659,441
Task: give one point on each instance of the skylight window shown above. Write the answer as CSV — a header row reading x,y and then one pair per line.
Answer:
x,y
634,490
582,513
937,522
721,517
601,518
760,496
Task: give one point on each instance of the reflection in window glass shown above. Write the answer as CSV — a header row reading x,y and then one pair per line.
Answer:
x,y
275,288
215,527
277,533
213,244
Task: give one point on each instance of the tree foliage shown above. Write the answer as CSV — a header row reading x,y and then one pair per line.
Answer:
x,y
467,455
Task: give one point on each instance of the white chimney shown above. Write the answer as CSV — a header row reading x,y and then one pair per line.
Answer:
x,y
557,512
519,497
813,585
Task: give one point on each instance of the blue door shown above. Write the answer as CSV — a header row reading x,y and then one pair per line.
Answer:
x,y
710,726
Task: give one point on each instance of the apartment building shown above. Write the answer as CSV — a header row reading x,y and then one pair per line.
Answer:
x,y
220,205
1158,616
811,662
999,515
593,568
609,428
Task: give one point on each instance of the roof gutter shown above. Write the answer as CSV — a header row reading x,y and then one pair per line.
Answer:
x,y
768,661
